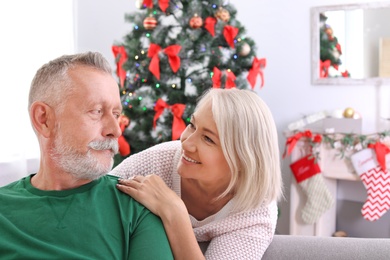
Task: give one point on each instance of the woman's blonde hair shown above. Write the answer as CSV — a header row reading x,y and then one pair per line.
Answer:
x,y
249,141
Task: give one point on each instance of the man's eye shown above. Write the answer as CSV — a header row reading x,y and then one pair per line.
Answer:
x,y
97,111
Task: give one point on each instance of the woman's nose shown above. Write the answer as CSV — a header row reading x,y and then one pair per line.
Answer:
x,y
188,141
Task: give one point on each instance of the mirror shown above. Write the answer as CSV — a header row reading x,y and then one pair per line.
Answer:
x,y
351,44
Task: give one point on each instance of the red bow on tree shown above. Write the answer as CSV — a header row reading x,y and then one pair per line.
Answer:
x,y
177,110
173,58
381,150
229,82
121,52
257,68
324,66
162,3
209,24
230,32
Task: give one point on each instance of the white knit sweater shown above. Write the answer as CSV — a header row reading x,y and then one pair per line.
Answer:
x,y
243,235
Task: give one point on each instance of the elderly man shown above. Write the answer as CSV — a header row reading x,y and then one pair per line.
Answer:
x,y
70,209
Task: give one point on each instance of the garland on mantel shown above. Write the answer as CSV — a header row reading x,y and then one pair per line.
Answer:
x,y
344,143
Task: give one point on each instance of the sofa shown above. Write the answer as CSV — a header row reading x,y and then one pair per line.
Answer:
x,y
327,248
294,247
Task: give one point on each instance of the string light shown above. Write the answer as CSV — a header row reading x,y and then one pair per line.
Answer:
x,y
173,85
214,6
144,108
136,27
136,57
142,52
211,74
139,98
148,35
137,64
235,56
157,85
130,94
189,80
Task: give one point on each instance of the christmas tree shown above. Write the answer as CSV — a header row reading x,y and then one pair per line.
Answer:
x,y
174,51
330,51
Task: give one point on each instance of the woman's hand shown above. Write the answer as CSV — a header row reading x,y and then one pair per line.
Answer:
x,y
153,193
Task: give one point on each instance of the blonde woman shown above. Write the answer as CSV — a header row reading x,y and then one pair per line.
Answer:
x,y
216,189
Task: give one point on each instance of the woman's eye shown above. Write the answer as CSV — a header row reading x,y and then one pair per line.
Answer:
x,y
208,139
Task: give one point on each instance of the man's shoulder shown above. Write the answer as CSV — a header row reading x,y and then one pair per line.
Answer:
x,y
110,179
13,186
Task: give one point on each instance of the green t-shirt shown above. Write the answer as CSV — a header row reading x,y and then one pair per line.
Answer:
x,y
94,221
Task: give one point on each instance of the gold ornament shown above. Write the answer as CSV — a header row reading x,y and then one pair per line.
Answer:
x,y
349,112
339,233
245,49
222,14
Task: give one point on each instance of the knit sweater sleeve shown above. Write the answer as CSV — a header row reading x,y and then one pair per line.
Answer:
x,y
158,160
243,235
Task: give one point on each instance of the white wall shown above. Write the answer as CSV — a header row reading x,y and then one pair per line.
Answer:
x,y
33,32
281,30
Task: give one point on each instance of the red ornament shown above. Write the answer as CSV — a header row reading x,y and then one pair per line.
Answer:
x,y
150,23
124,147
196,22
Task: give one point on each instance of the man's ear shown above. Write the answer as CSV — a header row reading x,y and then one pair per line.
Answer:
x,y
42,118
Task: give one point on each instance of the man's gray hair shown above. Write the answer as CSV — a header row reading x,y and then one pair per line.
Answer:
x,y
51,83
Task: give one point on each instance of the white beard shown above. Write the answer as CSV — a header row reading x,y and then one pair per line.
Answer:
x,y
83,166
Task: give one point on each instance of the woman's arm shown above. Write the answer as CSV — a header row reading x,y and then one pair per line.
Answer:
x,y
157,160
242,235
153,193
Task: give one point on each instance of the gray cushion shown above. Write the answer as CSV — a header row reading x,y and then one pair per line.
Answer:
x,y
323,248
